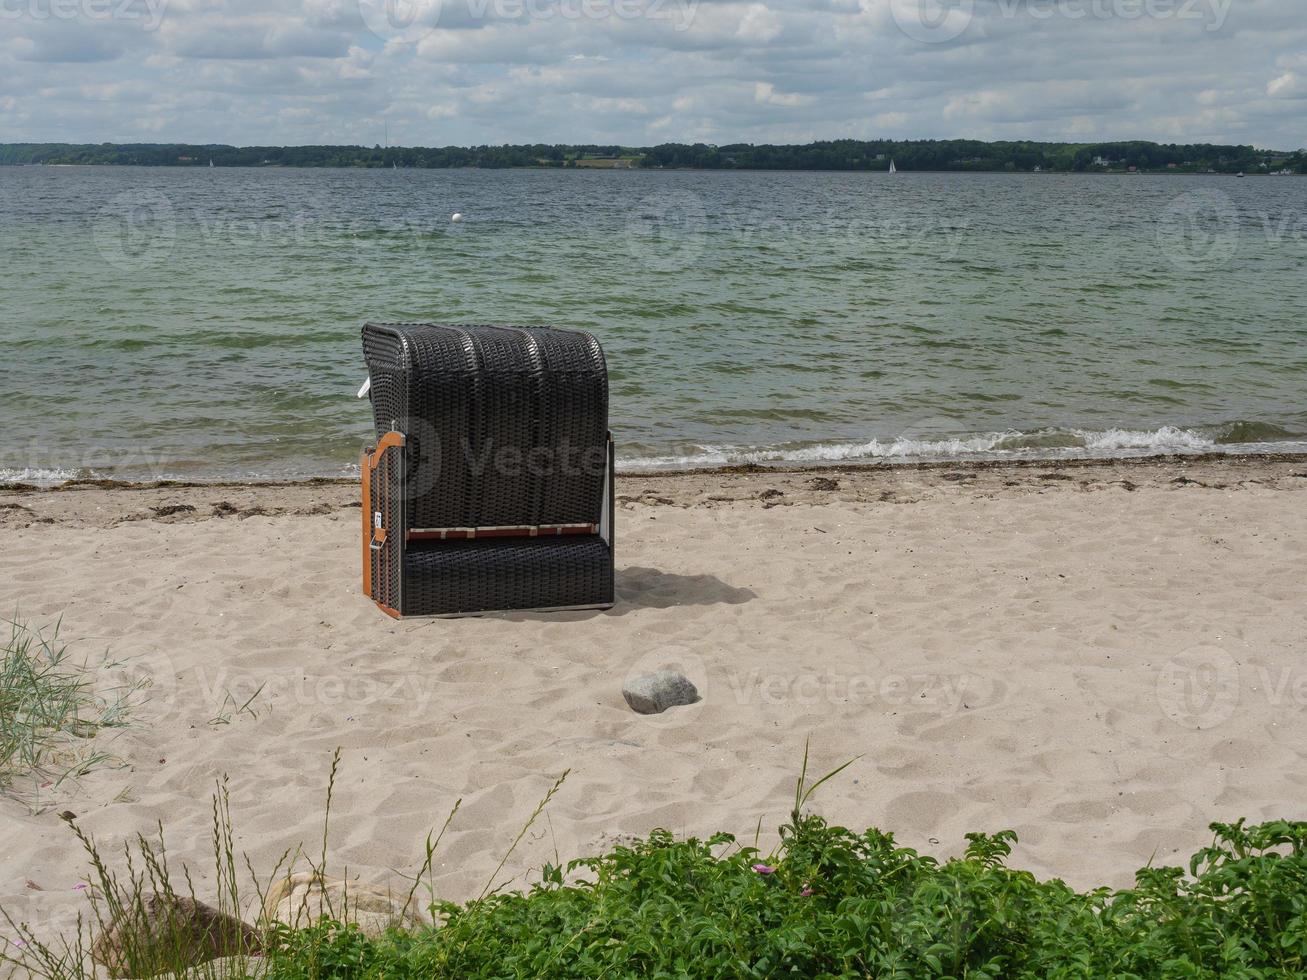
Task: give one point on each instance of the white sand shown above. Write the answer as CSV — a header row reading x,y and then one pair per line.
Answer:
x,y
1001,649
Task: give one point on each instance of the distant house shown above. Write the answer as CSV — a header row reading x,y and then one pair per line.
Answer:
x,y
186,159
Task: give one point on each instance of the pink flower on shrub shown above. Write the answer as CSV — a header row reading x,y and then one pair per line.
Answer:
x,y
807,890
764,869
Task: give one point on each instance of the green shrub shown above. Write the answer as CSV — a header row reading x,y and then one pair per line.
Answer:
x,y
840,904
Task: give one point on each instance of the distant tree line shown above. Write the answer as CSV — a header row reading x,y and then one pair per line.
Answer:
x,y
188,155
952,155
975,155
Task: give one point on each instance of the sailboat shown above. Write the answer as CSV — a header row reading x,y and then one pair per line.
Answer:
x,y
893,169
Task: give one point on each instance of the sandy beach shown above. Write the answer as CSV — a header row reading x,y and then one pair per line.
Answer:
x,y
1104,657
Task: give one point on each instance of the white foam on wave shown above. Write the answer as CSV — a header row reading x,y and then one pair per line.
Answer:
x,y
877,449
38,476
1167,437
1012,444
708,457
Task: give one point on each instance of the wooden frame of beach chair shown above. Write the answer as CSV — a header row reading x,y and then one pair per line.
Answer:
x,y
490,487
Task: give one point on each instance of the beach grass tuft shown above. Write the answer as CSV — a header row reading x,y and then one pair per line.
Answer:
x,y
51,712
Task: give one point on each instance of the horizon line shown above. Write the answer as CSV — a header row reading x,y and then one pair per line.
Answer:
x,y
647,146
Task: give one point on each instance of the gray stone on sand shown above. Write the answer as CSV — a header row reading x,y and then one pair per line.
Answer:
x,y
651,694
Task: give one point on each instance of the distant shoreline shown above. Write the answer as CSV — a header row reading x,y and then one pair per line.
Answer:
x,y
707,170
834,156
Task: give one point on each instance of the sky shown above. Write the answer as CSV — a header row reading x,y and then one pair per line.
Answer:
x,y
641,72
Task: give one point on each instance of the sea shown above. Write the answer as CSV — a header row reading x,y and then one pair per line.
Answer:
x,y
203,323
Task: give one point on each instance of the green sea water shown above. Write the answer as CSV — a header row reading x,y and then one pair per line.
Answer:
x,y
204,323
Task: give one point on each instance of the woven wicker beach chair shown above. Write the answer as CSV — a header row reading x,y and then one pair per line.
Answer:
x,y
490,487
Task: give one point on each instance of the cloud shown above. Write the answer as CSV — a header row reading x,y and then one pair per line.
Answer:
x,y
765,93
76,44
1288,85
646,71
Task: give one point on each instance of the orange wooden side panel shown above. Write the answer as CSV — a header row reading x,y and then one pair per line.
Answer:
x,y
367,466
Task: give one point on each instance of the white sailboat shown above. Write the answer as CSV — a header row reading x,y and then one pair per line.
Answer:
x,y
210,163
893,169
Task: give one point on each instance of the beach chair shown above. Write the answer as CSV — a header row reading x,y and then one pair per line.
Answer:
x,y
490,487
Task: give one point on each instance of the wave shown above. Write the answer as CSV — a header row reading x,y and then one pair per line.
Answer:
x,y
1239,437
38,476
1050,443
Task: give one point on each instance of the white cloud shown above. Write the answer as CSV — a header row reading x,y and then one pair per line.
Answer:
x,y
1288,84
765,93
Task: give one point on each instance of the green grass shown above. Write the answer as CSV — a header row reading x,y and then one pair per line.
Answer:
x,y
827,902
50,712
